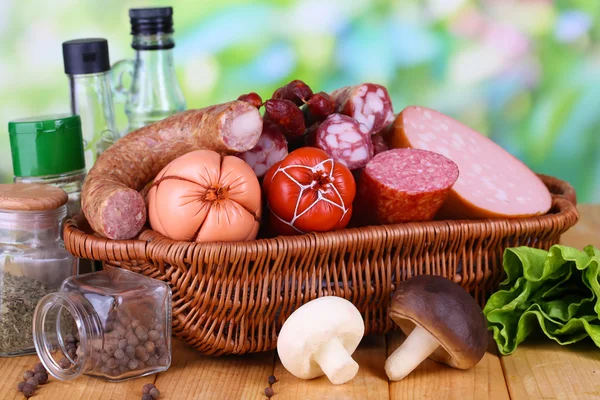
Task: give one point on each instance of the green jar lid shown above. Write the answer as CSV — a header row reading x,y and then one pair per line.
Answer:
x,y
46,145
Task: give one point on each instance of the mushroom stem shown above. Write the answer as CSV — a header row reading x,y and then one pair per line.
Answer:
x,y
419,345
335,362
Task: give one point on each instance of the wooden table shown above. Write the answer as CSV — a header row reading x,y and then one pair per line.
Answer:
x,y
537,370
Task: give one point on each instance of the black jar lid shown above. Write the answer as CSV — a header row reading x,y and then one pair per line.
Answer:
x,y
151,21
86,56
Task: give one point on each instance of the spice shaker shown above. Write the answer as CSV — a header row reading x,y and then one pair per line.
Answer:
x,y
87,64
49,150
33,260
113,324
155,92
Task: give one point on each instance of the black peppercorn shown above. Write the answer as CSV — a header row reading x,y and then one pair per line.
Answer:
x,y
39,367
27,375
269,392
124,360
32,381
112,363
142,333
163,361
152,361
132,340
146,397
147,387
20,386
135,323
64,363
122,343
149,346
28,390
133,364
159,342
153,335
119,354
130,351
272,379
155,393
41,377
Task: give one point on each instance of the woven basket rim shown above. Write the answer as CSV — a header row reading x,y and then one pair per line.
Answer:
x,y
150,245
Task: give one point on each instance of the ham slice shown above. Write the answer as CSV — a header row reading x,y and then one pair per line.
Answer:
x,y
492,183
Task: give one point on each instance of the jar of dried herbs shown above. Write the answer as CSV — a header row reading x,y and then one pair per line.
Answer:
x,y
113,324
33,260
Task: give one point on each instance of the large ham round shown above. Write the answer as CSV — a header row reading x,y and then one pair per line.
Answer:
x,y
492,183
402,185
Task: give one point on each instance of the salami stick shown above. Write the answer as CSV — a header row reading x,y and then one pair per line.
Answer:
x,y
369,104
110,198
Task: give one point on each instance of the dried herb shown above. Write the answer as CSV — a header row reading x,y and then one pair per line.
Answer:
x,y
18,297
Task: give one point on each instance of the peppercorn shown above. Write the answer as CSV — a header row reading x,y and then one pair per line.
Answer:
x,y
149,346
27,375
28,390
155,393
147,387
153,335
159,342
112,363
130,351
135,323
115,372
122,344
152,361
123,369
142,333
162,352
132,340
133,364
42,377
64,363
124,360
20,386
164,361
105,370
39,367
272,379
32,381
269,392
119,354
147,397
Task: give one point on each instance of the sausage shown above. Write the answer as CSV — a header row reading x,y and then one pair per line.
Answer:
x,y
492,183
318,107
252,98
369,104
345,140
287,116
296,91
110,198
272,147
379,144
403,185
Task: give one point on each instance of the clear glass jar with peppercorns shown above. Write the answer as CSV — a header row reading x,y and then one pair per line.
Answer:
x,y
113,324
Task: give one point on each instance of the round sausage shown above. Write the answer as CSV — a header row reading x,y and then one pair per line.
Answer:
x,y
403,185
345,140
369,104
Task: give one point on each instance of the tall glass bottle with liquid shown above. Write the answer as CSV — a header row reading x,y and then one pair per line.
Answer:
x,y
154,93
87,65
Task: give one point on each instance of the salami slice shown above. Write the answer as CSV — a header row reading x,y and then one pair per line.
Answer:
x,y
492,183
401,185
272,147
379,144
369,104
345,140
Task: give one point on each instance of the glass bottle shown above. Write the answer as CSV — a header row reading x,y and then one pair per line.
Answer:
x,y
87,65
154,93
33,260
114,324
49,150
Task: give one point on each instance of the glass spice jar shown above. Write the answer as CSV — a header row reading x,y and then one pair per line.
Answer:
x,y
33,260
114,324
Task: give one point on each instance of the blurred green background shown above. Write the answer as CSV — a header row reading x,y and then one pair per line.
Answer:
x,y
526,73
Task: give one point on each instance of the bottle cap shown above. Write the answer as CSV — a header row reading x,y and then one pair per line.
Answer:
x,y
85,56
46,145
150,21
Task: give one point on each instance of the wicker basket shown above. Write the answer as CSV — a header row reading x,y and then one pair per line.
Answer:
x,y
233,298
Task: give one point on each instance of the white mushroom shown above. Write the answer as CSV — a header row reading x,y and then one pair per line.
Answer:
x,y
319,339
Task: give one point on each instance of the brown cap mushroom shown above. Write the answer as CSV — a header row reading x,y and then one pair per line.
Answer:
x,y
441,321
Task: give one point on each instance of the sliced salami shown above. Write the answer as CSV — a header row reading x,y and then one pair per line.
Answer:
x,y
492,182
379,144
369,104
345,140
271,148
401,185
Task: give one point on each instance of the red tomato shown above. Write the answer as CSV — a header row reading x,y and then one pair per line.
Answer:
x,y
309,192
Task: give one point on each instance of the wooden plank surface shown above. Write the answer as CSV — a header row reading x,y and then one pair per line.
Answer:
x,y
542,369
432,380
370,382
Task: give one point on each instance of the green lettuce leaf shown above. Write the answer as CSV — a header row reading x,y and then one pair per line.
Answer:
x,y
556,290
